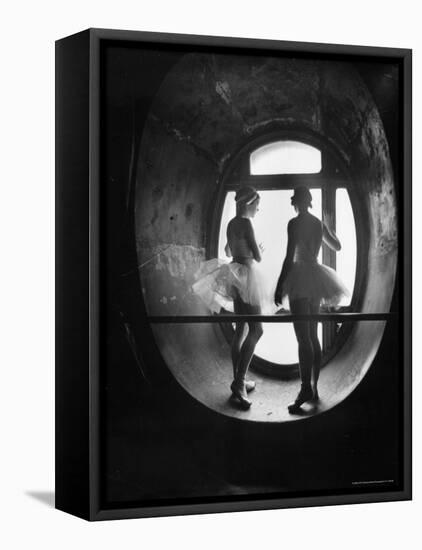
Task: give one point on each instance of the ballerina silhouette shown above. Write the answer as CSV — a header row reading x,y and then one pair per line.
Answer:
x,y
307,284
238,286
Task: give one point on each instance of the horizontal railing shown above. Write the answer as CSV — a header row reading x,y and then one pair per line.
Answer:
x,y
278,318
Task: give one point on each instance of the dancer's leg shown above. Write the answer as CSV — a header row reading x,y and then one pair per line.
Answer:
x,y
306,352
239,334
246,352
302,331
316,367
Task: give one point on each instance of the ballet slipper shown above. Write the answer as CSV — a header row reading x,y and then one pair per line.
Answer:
x,y
305,394
239,391
250,385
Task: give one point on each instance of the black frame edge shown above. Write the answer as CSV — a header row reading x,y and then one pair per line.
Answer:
x,y
94,274
72,293
407,271
249,506
255,43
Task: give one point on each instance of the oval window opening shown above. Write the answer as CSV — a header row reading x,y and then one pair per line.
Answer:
x,y
177,214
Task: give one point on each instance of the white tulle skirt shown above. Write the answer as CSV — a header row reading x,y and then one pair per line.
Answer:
x,y
219,282
316,282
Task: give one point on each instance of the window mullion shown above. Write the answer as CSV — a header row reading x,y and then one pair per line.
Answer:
x,y
329,218
329,255
284,181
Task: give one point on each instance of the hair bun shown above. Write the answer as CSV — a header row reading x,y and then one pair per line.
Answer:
x,y
301,194
246,194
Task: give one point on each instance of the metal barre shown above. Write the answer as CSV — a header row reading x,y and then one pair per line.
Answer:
x,y
280,318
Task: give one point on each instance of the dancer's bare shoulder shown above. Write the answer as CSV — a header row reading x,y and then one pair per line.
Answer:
x,y
239,227
239,224
293,226
314,219
315,223
232,225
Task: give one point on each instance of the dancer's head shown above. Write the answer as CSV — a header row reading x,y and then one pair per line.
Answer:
x,y
247,201
301,199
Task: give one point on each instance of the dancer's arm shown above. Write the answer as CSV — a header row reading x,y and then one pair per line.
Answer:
x,y
250,236
227,251
330,238
288,261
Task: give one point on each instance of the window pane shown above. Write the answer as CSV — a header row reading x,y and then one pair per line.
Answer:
x,y
285,157
346,232
278,343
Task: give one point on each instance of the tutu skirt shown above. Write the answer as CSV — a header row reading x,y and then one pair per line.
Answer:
x,y
219,282
315,282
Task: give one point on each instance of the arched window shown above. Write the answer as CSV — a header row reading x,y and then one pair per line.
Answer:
x,y
275,169
285,157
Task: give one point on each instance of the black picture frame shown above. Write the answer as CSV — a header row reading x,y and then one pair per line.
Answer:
x,y
81,272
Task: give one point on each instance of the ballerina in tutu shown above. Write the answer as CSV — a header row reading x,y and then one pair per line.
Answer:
x,y
238,286
308,284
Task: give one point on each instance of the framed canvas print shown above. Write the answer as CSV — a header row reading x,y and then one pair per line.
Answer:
x,y
233,274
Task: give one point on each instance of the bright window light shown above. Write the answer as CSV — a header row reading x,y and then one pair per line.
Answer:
x,y
285,157
278,343
346,232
